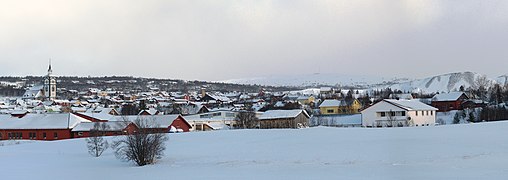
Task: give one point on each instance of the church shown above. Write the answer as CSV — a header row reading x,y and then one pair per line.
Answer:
x,y
46,91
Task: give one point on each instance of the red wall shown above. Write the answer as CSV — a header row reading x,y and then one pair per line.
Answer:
x,y
444,106
180,123
62,133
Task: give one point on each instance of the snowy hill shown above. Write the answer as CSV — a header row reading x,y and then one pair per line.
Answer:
x,y
502,80
317,79
466,151
441,83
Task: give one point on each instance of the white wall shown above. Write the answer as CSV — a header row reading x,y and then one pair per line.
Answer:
x,y
369,115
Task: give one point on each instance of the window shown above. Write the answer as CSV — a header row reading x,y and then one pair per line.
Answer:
x,y
383,114
329,111
55,135
20,135
427,113
432,113
392,113
403,113
31,135
44,135
423,113
416,113
80,133
0,135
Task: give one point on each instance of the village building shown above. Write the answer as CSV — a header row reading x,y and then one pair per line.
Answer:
x,y
449,101
284,119
215,120
38,126
334,107
113,128
394,113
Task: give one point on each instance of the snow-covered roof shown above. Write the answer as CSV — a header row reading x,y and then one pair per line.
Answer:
x,y
160,121
41,121
111,126
451,96
330,103
280,114
410,105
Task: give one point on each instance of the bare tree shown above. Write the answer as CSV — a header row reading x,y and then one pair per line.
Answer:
x,y
144,146
246,119
96,143
391,120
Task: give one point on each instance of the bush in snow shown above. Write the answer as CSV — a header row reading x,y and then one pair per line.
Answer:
x,y
96,143
144,146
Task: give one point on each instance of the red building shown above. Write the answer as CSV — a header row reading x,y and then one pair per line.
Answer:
x,y
113,128
449,101
38,126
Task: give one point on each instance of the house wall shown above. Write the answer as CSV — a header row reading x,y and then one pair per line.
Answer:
x,y
424,118
370,116
180,123
284,122
61,134
324,110
445,106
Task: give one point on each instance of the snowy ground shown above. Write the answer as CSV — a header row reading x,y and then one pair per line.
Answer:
x,y
465,151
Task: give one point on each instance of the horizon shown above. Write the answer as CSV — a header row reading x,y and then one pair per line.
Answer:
x,y
247,39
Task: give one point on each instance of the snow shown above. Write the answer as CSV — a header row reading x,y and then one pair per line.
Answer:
x,y
279,114
330,103
111,126
410,105
466,151
451,96
441,83
41,121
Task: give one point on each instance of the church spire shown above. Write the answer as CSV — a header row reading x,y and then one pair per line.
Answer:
x,y
50,71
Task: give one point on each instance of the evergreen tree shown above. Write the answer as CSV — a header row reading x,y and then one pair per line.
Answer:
x,y
472,117
456,118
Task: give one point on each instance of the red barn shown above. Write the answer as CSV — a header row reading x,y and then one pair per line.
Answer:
x,y
449,101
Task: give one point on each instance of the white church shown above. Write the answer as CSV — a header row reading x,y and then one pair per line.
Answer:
x,y
45,91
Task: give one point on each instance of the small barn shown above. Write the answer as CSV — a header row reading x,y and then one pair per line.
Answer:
x,y
284,119
449,101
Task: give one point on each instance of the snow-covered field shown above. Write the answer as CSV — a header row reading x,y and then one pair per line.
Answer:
x,y
465,151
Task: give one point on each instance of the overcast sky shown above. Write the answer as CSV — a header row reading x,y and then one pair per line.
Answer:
x,y
218,40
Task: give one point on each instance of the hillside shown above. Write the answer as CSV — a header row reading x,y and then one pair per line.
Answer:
x,y
310,80
440,83
467,151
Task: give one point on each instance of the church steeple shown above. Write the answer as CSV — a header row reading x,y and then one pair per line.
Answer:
x,y
50,71
50,84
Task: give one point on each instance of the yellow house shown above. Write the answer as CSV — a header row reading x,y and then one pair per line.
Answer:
x,y
329,107
333,106
306,100
351,107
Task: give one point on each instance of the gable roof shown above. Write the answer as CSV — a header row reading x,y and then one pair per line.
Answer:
x,y
451,96
410,105
282,114
41,121
111,126
330,103
159,121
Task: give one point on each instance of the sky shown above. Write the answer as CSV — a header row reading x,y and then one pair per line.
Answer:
x,y
220,40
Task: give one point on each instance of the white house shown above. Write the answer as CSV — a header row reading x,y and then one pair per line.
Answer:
x,y
391,112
